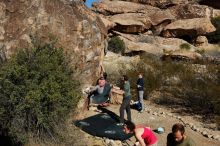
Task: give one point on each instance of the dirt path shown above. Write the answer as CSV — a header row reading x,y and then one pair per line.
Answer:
x,y
156,116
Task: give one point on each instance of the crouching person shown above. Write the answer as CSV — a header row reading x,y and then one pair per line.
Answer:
x,y
100,94
178,138
144,135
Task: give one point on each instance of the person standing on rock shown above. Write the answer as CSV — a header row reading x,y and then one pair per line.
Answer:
x,y
178,137
126,101
144,135
140,89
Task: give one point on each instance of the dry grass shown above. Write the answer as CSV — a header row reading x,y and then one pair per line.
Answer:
x,y
181,84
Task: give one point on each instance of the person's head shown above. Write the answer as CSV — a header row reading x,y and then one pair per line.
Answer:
x,y
140,75
129,127
178,131
125,78
101,82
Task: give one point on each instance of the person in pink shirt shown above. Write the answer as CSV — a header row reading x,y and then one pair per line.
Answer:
x,y
144,135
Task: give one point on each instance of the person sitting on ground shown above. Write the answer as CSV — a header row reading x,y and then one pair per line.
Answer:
x,y
144,135
99,95
178,137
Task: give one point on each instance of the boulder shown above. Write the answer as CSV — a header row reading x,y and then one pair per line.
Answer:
x,y
77,30
216,13
108,24
161,16
141,22
201,41
131,22
182,55
156,42
188,27
107,7
131,47
168,44
163,4
190,11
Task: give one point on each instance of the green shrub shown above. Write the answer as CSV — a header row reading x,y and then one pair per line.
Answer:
x,y
116,45
214,37
185,46
179,84
36,93
201,51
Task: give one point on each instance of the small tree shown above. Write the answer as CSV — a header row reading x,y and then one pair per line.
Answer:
x,y
116,45
36,93
185,46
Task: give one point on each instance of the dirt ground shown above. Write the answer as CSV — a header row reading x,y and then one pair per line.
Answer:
x,y
156,116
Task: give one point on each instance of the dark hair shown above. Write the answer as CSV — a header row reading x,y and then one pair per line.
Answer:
x,y
125,77
101,78
105,75
140,73
178,127
130,125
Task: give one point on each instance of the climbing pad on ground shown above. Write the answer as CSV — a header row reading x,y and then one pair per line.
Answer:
x,y
103,125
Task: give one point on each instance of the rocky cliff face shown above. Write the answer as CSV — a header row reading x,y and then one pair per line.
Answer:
x,y
184,22
78,30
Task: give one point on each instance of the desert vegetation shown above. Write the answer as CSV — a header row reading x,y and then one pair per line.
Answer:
x,y
116,45
185,46
37,93
193,88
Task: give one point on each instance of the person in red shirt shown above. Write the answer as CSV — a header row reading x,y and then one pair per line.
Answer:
x,y
144,135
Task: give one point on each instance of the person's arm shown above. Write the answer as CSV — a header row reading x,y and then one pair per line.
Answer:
x,y
139,138
94,89
138,83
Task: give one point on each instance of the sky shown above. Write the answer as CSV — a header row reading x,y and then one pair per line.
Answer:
x,y
88,3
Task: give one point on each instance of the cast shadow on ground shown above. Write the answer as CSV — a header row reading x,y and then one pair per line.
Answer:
x,y
102,125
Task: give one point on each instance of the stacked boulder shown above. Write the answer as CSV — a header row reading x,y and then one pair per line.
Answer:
x,y
180,20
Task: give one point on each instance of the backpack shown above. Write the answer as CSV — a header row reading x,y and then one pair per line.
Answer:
x,y
137,105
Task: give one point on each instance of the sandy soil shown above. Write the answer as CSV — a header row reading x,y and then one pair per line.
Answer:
x,y
150,117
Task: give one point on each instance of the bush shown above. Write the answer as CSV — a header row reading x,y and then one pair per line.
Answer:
x,y
201,51
185,46
36,93
116,45
184,85
214,37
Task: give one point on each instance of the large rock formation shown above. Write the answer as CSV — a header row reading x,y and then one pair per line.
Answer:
x,y
133,17
107,7
189,27
76,28
156,45
190,11
131,22
161,3
180,22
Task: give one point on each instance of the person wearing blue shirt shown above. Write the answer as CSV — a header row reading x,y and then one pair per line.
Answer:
x,y
140,89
